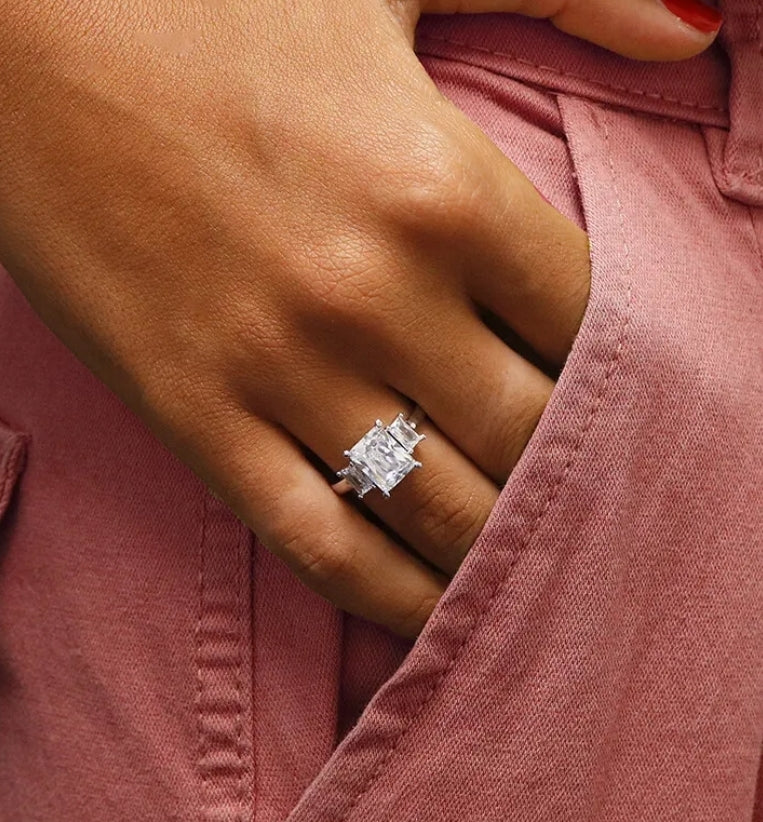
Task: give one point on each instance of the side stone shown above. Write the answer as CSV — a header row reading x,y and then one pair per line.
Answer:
x,y
405,432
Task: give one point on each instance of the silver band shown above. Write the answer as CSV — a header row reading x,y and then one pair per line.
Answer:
x,y
382,456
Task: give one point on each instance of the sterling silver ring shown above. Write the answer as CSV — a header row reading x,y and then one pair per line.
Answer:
x,y
382,456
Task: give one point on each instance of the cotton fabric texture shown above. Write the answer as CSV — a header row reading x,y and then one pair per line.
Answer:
x,y
598,656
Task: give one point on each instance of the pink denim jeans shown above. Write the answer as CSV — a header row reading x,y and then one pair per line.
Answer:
x,y
599,654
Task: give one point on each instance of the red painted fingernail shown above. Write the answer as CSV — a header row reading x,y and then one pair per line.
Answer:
x,y
698,15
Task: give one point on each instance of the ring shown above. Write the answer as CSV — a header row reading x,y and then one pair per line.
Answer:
x,y
382,456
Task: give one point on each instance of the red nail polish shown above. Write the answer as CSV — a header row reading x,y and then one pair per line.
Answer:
x,y
698,15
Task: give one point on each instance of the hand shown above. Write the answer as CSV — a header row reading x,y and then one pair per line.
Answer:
x,y
262,230
642,29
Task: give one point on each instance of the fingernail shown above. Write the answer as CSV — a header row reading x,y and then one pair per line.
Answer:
x,y
698,15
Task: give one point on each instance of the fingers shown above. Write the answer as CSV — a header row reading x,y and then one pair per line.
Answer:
x,y
539,286
324,540
518,257
484,396
419,339
643,29
437,509
440,508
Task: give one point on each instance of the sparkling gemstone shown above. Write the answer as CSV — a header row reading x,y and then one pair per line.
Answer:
x,y
353,473
404,432
382,458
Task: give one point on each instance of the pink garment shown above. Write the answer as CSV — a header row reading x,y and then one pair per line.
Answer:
x,y
598,656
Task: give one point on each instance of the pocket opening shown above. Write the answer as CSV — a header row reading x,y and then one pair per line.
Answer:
x,y
526,505
13,447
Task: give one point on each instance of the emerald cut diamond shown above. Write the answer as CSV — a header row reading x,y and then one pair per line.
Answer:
x,y
382,456
405,432
358,480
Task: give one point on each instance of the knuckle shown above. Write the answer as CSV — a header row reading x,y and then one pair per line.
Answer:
x,y
437,191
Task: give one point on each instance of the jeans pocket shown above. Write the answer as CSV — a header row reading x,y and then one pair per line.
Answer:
x,y
528,125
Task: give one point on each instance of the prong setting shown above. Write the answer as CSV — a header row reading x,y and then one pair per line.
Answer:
x,y
382,457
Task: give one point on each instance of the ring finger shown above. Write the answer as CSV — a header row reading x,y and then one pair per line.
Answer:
x,y
469,450
439,508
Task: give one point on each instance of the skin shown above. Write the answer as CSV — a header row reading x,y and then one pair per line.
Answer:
x,y
263,227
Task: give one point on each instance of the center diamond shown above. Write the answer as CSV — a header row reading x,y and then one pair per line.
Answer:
x,y
382,458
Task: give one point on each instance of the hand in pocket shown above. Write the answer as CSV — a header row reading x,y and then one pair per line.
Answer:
x,y
264,230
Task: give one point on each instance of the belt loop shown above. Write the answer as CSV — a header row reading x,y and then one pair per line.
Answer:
x,y
738,159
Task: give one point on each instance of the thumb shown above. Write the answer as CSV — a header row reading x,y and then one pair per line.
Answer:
x,y
643,29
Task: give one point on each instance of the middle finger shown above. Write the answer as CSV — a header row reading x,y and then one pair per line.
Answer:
x,y
484,396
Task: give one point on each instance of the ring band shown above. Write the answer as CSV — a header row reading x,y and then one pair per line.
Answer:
x,y
382,456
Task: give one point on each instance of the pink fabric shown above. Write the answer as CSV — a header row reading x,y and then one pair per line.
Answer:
x,y
598,655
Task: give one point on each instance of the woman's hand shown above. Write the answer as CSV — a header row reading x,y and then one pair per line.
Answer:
x,y
264,227
643,29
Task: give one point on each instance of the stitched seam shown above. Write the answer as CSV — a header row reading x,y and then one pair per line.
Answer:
x,y
525,62
755,176
644,114
253,625
734,169
200,684
558,484
239,677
